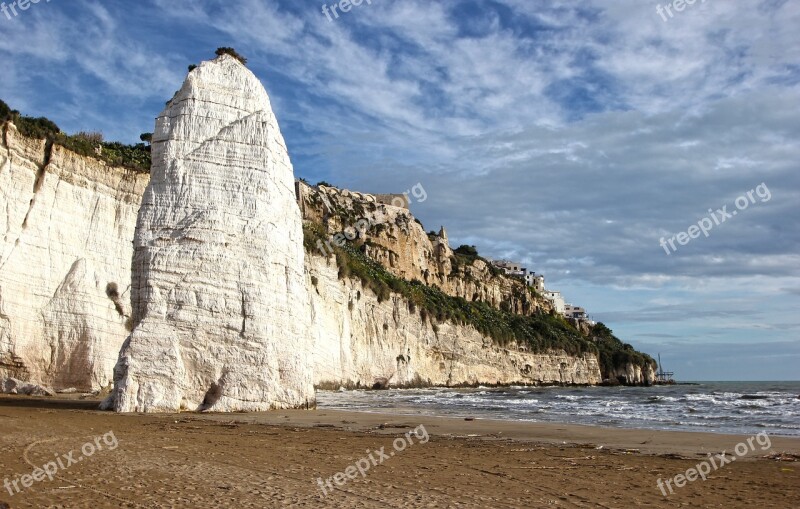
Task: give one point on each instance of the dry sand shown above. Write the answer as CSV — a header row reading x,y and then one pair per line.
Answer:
x,y
273,460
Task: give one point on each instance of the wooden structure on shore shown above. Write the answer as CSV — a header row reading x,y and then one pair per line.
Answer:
x,y
664,377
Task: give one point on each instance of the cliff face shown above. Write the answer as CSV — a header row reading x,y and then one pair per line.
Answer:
x,y
633,374
359,341
66,222
396,240
220,305
391,236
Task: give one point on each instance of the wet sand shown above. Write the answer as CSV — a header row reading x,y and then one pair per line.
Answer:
x,y
275,459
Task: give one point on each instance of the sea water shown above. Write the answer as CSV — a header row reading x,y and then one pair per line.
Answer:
x,y
716,407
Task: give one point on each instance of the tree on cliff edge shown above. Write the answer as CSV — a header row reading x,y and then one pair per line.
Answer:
x,y
232,52
467,250
5,111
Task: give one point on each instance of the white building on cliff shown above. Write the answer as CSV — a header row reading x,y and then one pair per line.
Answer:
x,y
557,299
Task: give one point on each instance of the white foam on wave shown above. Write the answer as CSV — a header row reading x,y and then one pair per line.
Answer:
x,y
718,411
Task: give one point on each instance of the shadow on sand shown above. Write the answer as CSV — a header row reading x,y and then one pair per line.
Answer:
x,y
56,403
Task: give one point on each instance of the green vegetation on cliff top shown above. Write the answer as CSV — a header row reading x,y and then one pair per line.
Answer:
x,y
615,353
135,157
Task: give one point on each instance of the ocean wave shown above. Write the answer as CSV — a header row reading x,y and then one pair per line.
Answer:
x,y
708,407
570,397
753,396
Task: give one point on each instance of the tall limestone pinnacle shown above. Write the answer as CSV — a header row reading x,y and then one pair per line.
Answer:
x,y
221,312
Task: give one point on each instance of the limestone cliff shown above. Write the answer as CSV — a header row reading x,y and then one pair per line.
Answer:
x,y
220,306
341,221
362,341
65,260
395,239
634,374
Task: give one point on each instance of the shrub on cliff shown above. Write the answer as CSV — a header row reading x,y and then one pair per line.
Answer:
x,y
134,157
89,144
541,333
613,353
5,111
41,128
466,250
232,52
81,143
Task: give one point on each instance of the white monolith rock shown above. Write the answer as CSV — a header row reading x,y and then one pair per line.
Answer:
x,y
221,311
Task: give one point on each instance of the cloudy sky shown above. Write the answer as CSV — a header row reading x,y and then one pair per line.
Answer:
x,y
569,135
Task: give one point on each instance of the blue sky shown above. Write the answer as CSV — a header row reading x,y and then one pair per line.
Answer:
x,y
571,136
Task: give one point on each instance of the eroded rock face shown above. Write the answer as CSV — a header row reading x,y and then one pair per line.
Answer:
x,y
399,243
66,225
360,341
220,308
632,374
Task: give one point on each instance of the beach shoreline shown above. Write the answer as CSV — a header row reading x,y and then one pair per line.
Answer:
x,y
286,457
645,441
736,408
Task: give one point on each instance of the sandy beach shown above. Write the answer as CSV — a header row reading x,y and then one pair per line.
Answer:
x,y
291,459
